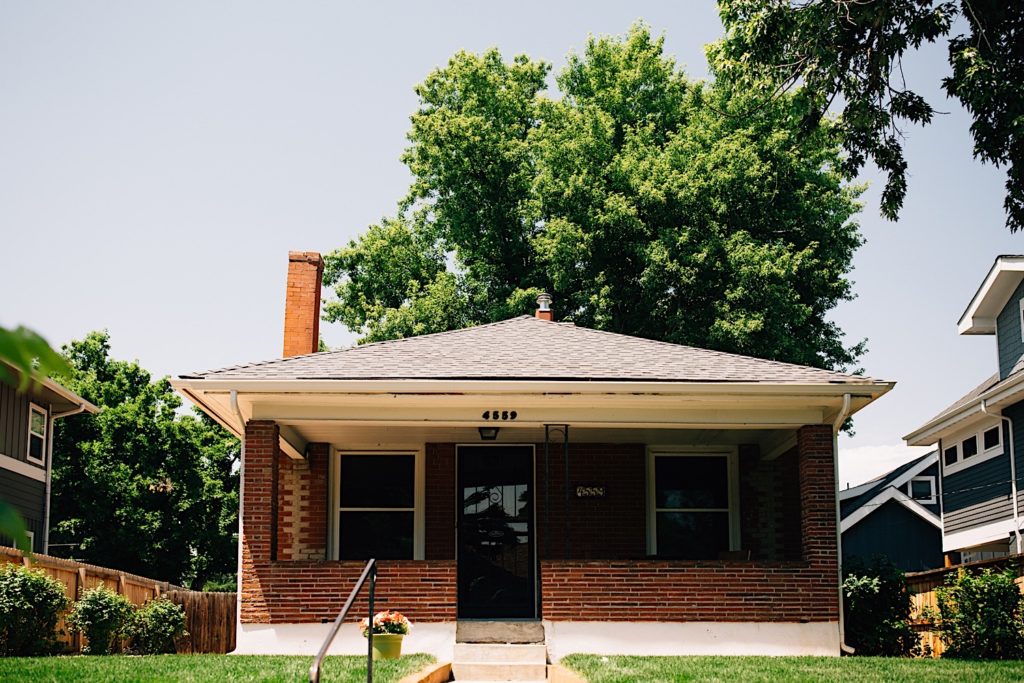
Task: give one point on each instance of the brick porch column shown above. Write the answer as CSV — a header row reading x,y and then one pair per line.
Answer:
x,y
818,532
302,505
259,515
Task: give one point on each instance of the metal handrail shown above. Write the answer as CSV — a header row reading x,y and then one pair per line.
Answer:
x,y
369,572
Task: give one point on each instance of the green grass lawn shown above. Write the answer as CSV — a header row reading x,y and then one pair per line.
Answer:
x,y
201,668
597,669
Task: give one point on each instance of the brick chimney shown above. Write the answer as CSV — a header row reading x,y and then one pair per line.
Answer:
x,y
544,311
302,303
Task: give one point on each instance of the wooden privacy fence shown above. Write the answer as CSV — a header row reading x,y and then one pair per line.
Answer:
x,y
210,617
922,585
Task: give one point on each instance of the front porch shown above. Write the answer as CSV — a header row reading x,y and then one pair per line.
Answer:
x,y
725,538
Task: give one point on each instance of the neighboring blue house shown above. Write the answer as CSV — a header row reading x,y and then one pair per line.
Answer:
x,y
895,515
980,435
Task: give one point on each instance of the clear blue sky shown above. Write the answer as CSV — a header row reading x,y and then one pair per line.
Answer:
x,y
158,160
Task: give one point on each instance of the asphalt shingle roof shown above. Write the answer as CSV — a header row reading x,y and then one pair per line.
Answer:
x,y
527,348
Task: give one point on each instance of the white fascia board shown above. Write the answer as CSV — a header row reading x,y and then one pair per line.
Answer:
x,y
979,535
980,315
890,493
995,398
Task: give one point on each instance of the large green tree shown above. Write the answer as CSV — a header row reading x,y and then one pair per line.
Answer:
x,y
850,52
141,486
638,197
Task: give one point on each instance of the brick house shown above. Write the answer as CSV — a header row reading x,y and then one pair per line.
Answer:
x,y
632,496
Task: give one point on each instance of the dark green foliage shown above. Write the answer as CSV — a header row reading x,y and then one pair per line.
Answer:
x,y
102,616
876,607
30,604
142,487
851,51
981,616
156,627
631,198
222,583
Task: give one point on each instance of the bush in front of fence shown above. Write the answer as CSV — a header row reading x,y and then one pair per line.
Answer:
x,y
981,616
156,627
101,615
31,602
877,609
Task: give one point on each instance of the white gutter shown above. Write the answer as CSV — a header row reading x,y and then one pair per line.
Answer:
x,y
929,433
1013,472
844,412
81,408
241,508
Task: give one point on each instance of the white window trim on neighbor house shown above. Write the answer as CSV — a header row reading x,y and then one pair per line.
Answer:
x,y
34,408
732,459
982,454
419,494
1020,320
930,500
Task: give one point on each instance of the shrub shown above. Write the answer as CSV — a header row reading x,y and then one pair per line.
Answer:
x,y
877,609
156,627
101,616
30,605
981,616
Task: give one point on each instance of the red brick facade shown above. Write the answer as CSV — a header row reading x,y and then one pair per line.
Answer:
x,y
788,522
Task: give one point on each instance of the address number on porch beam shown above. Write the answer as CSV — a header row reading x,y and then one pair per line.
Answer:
x,y
590,492
501,415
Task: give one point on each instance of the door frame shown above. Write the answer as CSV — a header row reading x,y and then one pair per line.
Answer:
x,y
533,527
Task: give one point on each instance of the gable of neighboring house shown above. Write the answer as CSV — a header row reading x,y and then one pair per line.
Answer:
x,y
896,516
981,435
26,441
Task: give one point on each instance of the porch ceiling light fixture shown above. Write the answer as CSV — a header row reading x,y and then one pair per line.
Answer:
x,y
488,433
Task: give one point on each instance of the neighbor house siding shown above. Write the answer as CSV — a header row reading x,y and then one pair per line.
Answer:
x,y
1016,415
977,495
13,423
893,531
28,497
1008,333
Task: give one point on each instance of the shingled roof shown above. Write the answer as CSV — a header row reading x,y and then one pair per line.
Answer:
x,y
526,348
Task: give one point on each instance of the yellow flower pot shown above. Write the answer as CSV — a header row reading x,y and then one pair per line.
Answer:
x,y
387,645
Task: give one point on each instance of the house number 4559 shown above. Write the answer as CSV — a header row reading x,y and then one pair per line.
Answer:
x,y
499,415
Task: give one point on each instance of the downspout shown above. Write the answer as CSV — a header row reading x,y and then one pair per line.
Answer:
x,y
241,505
49,470
844,412
1013,472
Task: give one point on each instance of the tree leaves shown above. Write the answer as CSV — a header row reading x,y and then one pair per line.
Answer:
x,y
140,486
637,197
851,51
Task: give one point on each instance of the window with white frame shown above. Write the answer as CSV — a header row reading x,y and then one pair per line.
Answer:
x,y
692,513
37,434
974,448
376,506
922,489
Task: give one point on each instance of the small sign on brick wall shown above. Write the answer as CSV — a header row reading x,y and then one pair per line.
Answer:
x,y
590,491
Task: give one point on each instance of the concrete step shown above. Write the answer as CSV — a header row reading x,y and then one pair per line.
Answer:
x,y
499,632
536,653
498,671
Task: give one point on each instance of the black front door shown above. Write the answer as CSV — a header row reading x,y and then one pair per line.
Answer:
x,y
496,573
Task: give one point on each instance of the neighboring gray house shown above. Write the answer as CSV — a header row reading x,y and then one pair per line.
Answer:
x,y
895,515
981,435
26,450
